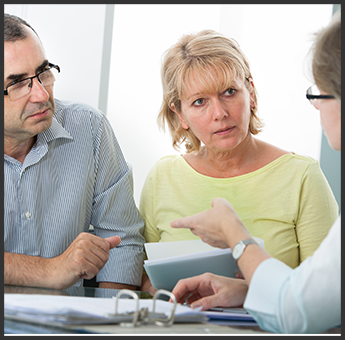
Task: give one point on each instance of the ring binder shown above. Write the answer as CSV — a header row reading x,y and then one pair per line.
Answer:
x,y
143,316
170,319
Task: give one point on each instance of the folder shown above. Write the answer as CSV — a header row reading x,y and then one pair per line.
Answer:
x,y
168,262
76,310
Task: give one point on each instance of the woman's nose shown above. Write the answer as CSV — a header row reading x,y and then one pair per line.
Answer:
x,y
219,110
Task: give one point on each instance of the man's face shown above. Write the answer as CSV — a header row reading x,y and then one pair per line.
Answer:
x,y
33,113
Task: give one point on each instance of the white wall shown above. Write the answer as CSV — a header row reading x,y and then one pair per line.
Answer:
x,y
72,36
141,35
275,38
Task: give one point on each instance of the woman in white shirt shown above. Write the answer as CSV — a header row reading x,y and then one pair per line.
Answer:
x,y
283,300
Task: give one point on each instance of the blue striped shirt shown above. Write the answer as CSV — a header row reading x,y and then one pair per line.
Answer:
x,y
75,175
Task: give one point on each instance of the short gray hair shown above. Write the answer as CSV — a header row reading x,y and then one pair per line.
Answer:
x,y
14,28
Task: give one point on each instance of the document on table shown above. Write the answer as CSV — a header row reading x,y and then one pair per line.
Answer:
x,y
168,262
74,310
239,314
230,317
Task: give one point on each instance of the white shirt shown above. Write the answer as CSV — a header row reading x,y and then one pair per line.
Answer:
x,y
306,299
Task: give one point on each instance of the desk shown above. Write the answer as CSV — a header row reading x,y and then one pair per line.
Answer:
x,y
18,327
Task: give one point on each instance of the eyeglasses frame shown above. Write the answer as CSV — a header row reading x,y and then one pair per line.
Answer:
x,y
31,78
320,96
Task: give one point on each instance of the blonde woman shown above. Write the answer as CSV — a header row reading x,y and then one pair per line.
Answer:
x,y
306,299
210,105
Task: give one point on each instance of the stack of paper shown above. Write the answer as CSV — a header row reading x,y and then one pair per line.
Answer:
x,y
73,310
168,262
239,314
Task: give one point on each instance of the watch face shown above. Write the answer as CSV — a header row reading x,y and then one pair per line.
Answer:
x,y
238,249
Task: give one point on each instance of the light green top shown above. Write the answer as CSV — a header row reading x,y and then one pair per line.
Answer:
x,y
288,203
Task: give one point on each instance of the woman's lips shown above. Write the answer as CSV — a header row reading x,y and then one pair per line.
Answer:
x,y
224,131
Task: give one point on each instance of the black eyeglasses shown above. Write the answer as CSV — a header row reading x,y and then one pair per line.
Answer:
x,y
313,93
19,89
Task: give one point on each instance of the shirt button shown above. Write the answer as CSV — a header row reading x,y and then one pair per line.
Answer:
x,y
28,215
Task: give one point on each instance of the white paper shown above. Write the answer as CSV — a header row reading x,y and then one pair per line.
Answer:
x,y
163,250
159,250
56,308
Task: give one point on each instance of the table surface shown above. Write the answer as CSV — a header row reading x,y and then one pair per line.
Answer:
x,y
18,327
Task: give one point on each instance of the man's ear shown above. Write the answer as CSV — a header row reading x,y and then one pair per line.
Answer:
x,y
179,115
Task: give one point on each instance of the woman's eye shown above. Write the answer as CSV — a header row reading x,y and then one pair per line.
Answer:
x,y
229,92
198,102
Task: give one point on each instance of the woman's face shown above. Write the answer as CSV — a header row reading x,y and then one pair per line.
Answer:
x,y
220,120
330,114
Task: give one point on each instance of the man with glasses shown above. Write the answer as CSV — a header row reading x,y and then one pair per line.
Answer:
x,y
63,171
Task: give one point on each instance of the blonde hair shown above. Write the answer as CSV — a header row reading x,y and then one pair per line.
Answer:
x,y
326,63
212,61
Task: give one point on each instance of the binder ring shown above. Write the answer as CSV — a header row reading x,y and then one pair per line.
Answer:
x,y
136,313
142,316
170,319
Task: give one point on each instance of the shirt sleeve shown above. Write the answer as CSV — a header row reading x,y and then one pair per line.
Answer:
x,y
316,197
301,300
146,207
114,211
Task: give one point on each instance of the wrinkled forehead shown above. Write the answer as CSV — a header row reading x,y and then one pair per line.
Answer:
x,y
209,79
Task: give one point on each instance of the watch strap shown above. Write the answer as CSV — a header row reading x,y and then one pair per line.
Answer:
x,y
245,243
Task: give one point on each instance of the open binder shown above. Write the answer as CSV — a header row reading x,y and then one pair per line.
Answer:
x,y
75,310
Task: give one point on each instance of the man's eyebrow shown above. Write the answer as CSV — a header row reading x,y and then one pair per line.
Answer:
x,y
24,75
16,76
43,65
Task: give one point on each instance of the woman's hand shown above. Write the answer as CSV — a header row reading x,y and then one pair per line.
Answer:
x,y
209,290
215,226
221,227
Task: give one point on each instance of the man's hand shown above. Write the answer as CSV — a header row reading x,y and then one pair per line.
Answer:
x,y
84,258
209,290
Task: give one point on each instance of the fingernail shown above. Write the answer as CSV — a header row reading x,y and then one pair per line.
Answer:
x,y
195,305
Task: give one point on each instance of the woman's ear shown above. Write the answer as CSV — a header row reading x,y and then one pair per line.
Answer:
x,y
251,92
179,115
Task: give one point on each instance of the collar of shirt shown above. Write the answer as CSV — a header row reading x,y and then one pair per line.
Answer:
x,y
40,148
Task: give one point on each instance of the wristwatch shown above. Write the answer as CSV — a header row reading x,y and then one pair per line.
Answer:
x,y
239,248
